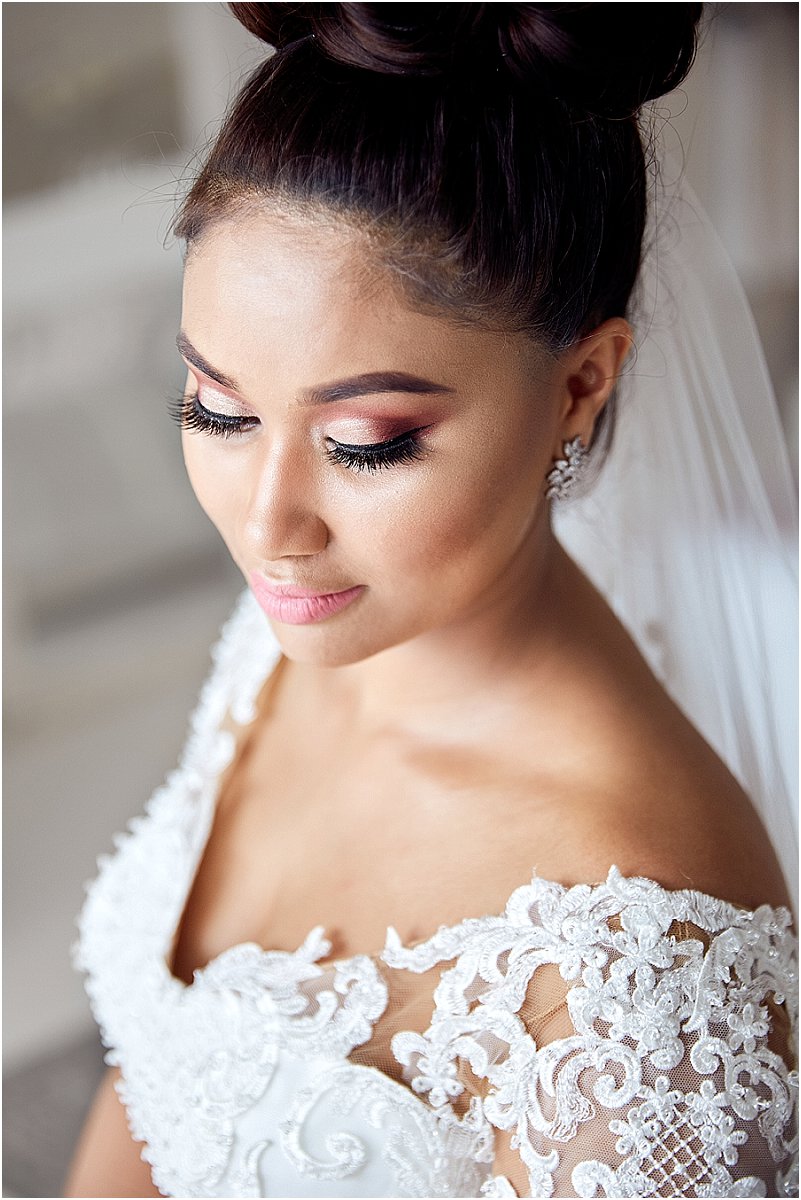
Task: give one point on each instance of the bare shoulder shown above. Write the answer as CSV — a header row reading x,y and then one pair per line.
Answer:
x,y
706,837
630,781
668,810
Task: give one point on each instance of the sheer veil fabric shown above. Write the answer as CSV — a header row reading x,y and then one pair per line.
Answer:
x,y
689,528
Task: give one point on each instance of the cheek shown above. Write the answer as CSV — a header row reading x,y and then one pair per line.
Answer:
x,y
460,519
456,518
216,482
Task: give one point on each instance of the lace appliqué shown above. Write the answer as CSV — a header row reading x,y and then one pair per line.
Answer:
x,y
644,1001
240,1085
429,1156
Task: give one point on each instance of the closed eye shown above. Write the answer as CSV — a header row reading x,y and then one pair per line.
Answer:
x,y
190,414
405,448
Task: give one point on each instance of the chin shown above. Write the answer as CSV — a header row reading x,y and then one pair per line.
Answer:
x,y
319,646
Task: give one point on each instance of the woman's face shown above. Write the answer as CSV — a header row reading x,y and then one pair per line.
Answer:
x,y
357,446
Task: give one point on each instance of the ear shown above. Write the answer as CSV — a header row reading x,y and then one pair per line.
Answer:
x,y
588,373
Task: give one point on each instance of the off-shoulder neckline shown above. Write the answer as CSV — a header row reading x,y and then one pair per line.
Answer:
x,y
314,948
242,709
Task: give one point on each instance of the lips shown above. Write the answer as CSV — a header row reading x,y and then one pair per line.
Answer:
x,y
300,606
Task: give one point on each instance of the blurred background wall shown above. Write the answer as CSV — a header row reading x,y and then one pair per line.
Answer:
x,y
115,583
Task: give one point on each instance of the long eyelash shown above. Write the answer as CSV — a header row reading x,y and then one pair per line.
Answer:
x,y
189,413
403,449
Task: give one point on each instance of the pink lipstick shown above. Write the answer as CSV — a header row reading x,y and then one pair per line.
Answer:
x,y
299,606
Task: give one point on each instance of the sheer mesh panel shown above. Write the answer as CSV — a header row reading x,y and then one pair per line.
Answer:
x,y
679,1154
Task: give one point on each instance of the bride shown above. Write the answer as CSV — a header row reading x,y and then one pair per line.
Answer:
x,y
448,896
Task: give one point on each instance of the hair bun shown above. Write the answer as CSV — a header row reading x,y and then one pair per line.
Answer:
x,y
275,24
604,58
387,39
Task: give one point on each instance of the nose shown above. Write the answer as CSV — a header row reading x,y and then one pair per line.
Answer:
x,y
282,517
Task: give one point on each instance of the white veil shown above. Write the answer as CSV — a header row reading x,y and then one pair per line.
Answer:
x,y
689,529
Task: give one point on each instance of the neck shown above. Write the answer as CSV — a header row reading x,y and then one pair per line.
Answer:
x,y
513,638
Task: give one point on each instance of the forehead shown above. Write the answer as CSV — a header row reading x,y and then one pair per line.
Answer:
x,y
277,261
308,294
283,289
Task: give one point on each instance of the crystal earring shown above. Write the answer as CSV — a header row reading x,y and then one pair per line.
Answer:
x,y
566,471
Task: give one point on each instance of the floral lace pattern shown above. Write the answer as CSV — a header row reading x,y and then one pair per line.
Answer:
x,y
673,1078
647,1006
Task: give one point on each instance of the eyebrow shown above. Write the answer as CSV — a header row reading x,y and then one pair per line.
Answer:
x,y
191,355
369,383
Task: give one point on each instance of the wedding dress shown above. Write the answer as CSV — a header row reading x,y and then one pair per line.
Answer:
x,y
622,1039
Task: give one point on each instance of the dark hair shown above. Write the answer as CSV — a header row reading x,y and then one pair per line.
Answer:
x,y
493,150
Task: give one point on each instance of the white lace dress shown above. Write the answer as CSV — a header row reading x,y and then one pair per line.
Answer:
x,y
608,1040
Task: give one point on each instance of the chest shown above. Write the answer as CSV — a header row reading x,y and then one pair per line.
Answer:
x,y
353,835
